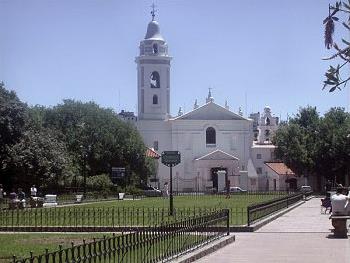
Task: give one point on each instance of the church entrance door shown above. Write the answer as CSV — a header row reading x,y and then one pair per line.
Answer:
x,y
214,176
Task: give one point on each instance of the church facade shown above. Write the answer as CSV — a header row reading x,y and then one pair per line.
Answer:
x,y
209,138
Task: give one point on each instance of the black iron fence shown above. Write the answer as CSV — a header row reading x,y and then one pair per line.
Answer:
x,y
157,244
93,219
259,211
63,199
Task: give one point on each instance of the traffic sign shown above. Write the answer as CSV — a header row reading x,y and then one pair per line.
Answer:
x,y
171,158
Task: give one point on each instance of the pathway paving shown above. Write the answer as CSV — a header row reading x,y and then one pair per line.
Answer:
x,y
301,235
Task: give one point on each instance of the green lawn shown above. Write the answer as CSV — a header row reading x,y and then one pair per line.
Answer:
x,y
21,244
207,201
147,211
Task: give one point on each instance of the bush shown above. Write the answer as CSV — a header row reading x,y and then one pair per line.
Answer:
x,y
100,182
133,190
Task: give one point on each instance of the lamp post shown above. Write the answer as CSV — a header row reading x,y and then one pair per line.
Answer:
x,y
85,153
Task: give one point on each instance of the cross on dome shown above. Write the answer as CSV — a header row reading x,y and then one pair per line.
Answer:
x,y
153,12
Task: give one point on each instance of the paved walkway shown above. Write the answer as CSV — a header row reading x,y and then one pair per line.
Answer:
x,y
301,235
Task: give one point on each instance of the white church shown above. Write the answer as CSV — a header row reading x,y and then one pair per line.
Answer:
x,y
209,138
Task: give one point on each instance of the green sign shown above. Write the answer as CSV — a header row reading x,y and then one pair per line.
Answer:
x,y
171,158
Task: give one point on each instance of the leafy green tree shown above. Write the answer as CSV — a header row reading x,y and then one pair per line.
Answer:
x,y
13,114
338,75
333,157
38,158
295,141
314,145
96,138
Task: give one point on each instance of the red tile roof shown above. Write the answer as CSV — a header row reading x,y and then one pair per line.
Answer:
x,y
152,153
280,168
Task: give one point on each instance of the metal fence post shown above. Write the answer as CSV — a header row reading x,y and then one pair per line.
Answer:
x,y
248,215
227,212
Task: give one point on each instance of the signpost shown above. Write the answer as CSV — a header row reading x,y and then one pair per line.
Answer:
x,y
170,159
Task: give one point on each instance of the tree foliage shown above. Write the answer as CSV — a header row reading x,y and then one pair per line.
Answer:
x,y
337,76
314,145
13,114
52,147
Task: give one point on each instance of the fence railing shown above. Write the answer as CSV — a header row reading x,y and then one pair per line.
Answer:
x,y
91,219
160,243
90,198
259,211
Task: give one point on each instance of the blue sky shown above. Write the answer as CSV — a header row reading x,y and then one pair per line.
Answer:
x,y
252,53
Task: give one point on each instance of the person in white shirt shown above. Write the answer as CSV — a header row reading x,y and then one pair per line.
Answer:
x,y
33,191
340,202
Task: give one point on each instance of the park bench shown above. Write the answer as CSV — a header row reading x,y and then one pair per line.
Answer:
x,y
339,224
79,198
50,200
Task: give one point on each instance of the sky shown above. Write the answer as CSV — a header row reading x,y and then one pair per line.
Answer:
x,y
251,53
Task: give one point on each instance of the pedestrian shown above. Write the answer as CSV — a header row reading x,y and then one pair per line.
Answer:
x,y
166,189
1,194
33,191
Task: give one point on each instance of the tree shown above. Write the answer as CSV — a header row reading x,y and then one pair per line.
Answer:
x,y
13,114
333,157
337,76
314,145
296,141
96,138
38,158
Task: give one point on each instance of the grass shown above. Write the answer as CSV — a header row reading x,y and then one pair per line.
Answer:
x,y
21,244
147,211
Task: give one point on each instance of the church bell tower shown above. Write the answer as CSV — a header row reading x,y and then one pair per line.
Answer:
x,y
153,75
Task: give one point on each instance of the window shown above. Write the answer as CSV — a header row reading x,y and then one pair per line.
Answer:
x,y
259,170
210,136
155,49
155,80
258,156
155,99
142,101
142,76
267,121
155,145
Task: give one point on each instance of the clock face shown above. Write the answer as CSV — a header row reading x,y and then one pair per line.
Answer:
x,y
155,49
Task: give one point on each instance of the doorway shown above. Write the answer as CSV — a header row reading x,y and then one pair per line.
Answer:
x,y
214,176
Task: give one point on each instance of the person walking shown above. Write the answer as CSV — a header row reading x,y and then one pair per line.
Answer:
x,y
33,191
1,194
166,189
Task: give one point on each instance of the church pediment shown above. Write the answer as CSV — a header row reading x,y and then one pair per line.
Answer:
x,y
210,111
217,155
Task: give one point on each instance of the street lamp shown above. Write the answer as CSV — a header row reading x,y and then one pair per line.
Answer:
x,y
85,154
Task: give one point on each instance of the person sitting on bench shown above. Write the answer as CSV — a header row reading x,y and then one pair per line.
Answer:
x,y
340,202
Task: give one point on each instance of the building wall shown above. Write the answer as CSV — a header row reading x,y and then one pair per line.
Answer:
x,y
266,153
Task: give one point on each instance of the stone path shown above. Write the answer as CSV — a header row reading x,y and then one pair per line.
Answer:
x,y
301,235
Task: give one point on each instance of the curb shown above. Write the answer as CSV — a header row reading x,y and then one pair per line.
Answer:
x,y
206,250
272,217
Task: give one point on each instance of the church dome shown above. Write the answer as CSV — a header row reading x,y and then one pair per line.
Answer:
x,y
153,31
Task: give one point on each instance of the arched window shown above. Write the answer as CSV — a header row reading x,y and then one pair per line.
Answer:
x,y
155,99
155,80
210,136
155,49
267,121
